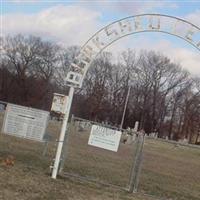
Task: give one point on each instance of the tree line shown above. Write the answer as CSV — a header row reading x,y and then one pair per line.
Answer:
x,y
164,98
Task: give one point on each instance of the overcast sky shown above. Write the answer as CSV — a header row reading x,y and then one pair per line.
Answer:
x,y
74,22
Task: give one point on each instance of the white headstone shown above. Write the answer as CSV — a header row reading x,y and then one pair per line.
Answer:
x,y
136,126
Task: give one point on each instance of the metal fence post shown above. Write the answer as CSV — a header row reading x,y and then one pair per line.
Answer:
x,y
137,165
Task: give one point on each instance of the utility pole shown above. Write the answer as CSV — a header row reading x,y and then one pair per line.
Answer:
x,y
125,106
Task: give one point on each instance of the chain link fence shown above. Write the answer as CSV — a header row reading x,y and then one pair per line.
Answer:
x,y
170,170
32,154
91,163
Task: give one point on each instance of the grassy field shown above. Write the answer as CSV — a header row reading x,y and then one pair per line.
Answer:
x,y
169,171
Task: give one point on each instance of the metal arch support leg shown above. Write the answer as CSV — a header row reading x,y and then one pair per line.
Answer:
x,y
62,135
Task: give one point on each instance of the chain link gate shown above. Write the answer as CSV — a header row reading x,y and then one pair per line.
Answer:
x,y
119,169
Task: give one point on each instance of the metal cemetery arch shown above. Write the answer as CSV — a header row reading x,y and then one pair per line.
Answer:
x,y
113,32
127,26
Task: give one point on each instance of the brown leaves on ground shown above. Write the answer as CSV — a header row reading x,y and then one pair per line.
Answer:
x,y
9,161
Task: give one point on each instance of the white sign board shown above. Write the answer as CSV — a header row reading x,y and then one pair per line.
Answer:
x,y
105,138
59,104
25,122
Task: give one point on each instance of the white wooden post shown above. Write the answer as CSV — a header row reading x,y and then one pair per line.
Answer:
x,y
62,134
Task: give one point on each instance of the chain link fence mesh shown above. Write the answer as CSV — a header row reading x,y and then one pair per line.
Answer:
x,y
97,164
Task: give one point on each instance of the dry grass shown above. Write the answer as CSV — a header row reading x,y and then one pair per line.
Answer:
x,y
168,171
171,171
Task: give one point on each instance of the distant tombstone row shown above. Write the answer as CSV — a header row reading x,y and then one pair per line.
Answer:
x,y
153,135
131,134
183,141
82,125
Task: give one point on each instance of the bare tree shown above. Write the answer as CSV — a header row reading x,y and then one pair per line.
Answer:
x,y
30,59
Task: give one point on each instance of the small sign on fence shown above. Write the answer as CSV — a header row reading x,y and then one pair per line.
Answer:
x,y
25,122
104,138
59,104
